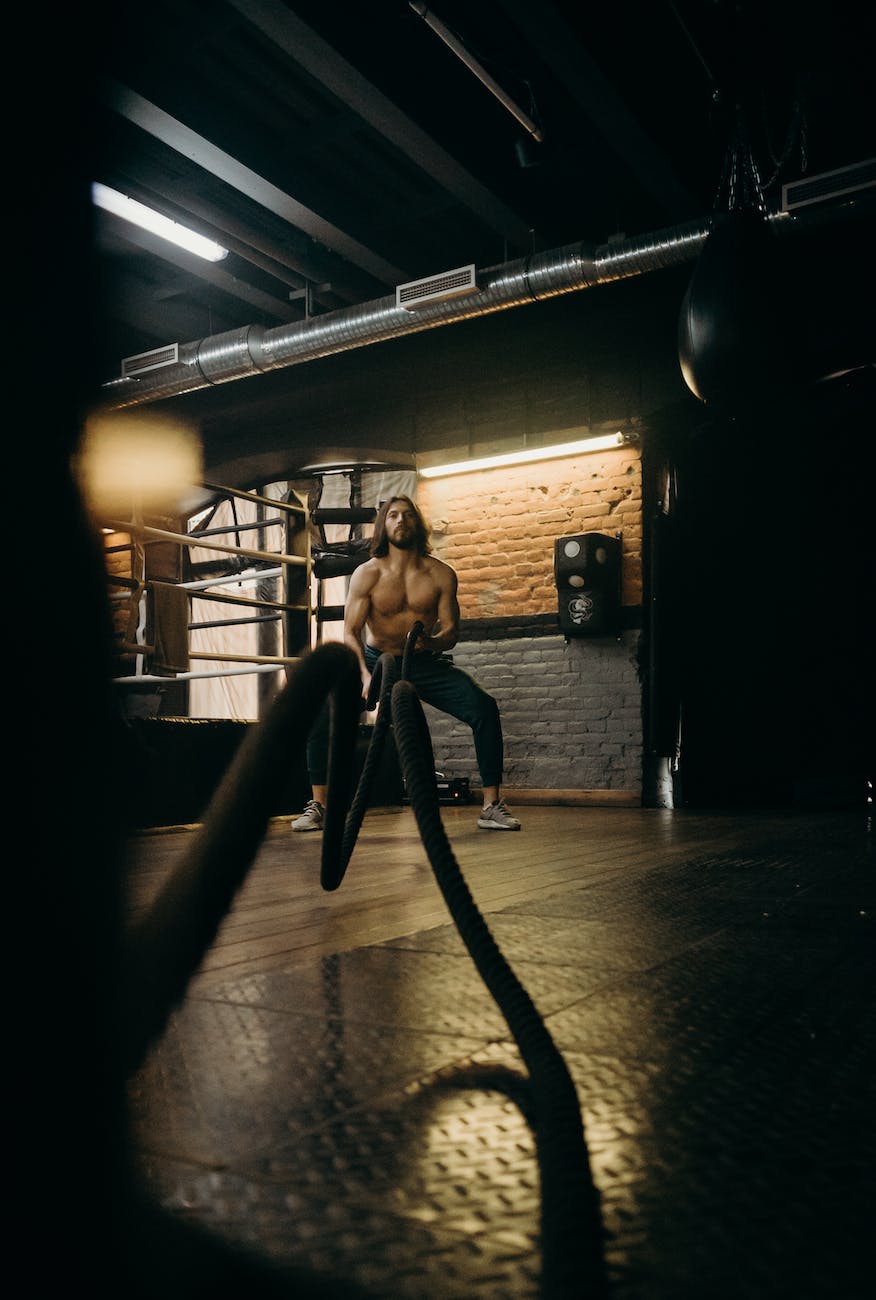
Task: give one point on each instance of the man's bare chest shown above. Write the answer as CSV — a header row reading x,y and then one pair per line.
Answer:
x,y
415,592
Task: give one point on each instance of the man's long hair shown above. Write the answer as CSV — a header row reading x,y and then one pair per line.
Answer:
x,y
379,540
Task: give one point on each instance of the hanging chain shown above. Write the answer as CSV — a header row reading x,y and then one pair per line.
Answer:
x,y
740,176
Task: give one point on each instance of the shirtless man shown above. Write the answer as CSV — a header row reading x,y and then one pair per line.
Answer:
x,y
402,584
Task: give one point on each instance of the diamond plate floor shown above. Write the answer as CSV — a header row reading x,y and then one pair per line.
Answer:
x,y
715,1010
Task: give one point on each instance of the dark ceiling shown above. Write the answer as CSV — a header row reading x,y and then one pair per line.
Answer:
x,y
338,148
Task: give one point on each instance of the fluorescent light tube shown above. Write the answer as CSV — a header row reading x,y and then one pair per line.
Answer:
x,y
602,443
147,219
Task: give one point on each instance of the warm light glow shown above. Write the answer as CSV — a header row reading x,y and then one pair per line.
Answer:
x,y
137,463
147,219
601,443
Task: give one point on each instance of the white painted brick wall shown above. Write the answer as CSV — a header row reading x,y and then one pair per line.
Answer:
x,y
571,714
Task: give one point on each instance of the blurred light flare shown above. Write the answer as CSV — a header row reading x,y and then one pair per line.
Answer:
x,y
135,464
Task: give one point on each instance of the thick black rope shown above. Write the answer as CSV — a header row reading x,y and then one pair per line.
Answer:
x,y
571,1221
166,947
334,866
410,643
383,679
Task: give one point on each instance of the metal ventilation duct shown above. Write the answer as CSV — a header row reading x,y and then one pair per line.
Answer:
x,y
253,350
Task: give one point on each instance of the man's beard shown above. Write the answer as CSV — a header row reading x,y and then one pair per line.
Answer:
x,y
405,543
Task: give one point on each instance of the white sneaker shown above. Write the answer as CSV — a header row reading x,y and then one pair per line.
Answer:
x,y
311,819
496,817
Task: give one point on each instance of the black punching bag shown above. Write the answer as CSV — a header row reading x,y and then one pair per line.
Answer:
x,y
736,330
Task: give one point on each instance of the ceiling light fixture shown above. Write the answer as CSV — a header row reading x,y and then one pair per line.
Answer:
x,y
147,219
601,443
482,75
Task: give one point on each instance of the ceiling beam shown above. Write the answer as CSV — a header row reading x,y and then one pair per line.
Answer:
x,y
154,315
555,41
210,272
133,107
277,22
240,237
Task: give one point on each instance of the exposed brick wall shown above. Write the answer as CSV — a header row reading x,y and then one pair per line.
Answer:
x,y
497,527
571,711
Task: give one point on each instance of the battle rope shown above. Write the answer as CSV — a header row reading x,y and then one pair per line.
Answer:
x,y
571,1222
383,679
410,645
385,675
167,946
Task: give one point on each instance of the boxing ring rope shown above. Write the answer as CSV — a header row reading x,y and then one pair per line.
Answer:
x,y
279,563
155,680
193,539
249,575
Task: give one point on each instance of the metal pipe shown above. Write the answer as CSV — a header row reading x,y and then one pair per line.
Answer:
x,y
453,43
254,350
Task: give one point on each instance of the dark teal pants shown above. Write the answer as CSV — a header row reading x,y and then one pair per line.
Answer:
x,y
440,683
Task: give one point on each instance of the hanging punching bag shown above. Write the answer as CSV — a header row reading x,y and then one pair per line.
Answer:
x,y
736,327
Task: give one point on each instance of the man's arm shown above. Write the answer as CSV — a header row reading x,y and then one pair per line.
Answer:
x,y
447,622
356,609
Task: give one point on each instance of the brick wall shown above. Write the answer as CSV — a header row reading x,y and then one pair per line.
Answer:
x,y
497,527
571,711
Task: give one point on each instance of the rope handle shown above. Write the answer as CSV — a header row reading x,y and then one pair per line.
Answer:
x,y
413,637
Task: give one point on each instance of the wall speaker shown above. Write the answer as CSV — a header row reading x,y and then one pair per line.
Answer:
x,y
587,572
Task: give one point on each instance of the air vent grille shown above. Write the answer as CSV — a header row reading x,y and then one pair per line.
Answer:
x,y
435,288
143,361
829,185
